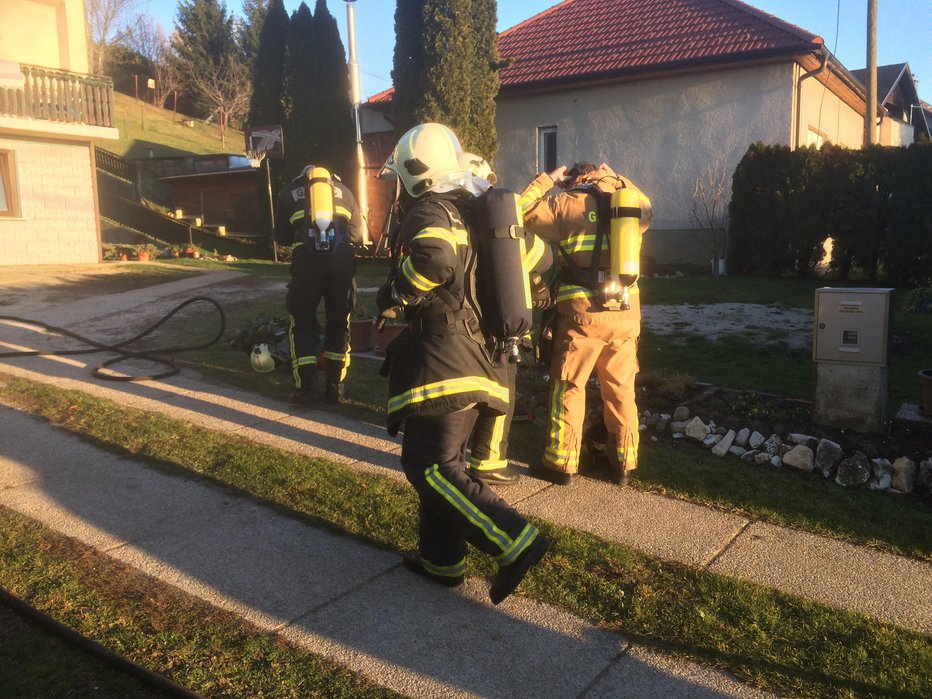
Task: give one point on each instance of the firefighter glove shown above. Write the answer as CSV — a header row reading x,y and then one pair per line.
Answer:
x,y
540,292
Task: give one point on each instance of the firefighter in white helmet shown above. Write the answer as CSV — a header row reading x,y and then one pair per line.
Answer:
x,y
317,215
440,372
598,317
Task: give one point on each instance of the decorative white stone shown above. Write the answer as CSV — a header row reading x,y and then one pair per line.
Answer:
x,y
696,429
904,474
711,440
741,439
680,414
800,457
724,445
735,450
756,439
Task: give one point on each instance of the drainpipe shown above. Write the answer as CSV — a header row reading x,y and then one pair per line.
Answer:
x,y
823,55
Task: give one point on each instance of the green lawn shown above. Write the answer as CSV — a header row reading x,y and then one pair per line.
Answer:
x,y
768,639
144,127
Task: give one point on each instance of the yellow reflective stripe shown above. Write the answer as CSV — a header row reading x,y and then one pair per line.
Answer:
x,y
525,280
418,280
556,451
337,356
568,292
305,361
465,507
584,242
531,196
532,256
494,460
449,387
296,216
456,236
527,535
451,571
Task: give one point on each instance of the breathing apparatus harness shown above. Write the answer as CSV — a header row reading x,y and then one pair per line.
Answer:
x,y
618,214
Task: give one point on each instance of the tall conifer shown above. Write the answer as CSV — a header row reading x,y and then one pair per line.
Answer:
x,y
203,39
445,67
266,104
302,106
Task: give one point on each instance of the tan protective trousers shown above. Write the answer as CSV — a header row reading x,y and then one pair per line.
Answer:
x,y
610,349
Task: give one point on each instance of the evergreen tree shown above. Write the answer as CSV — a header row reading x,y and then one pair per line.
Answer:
x,y
408,64
203,41
249,31
318,112
480,136
266,105
301,105
336,133
445,68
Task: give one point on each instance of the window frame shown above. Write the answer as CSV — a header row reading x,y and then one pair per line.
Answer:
x,y
543,132
8,183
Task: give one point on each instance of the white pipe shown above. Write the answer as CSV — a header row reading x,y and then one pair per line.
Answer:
x,y
362,197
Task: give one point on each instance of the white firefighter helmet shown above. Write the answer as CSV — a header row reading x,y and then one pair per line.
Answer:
x,y
426,159
477,166
261,358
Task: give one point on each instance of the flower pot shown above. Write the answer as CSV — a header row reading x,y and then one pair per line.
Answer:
x,y
123,257
362,334
925,379
388,333
142,256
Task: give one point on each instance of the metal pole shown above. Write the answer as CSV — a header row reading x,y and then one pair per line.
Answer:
x,y
361,193
870,118
268,178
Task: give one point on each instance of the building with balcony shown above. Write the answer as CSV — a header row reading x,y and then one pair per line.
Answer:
x,y
50,110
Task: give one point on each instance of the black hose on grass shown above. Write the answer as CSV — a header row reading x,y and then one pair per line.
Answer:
x,y
118,348
66,633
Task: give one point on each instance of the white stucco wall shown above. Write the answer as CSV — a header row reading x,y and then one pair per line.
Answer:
x,y
662,133
58,217
823,112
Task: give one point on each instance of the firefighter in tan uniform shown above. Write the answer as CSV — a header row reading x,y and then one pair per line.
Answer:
x,y
592,333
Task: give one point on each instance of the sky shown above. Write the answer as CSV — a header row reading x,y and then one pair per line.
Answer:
x,y
904,30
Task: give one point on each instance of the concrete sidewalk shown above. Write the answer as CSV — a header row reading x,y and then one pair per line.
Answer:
x,y
341,598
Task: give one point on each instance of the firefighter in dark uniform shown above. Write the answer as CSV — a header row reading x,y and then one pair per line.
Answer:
x,y
317,215
488,448
440,372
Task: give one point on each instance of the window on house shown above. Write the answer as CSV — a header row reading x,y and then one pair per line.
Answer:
x,y
814,138
546,148
9,201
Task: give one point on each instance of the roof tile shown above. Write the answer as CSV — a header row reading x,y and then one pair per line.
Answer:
x,y
588,38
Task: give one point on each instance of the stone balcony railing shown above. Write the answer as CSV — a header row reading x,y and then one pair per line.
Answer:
x,y
60,96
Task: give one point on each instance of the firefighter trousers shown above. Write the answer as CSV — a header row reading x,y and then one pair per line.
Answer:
x,y
315,278
488,449
611,352
455,508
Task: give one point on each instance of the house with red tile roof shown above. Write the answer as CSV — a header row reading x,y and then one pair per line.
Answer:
x,y
662,90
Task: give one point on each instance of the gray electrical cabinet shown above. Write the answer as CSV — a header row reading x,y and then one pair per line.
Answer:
x,y
850,349
852,326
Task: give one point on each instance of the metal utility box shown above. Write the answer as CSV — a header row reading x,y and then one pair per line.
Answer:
x,y
852,326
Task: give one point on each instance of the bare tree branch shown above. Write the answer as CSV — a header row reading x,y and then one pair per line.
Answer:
x,y
225,90
147,38
709,214
106,21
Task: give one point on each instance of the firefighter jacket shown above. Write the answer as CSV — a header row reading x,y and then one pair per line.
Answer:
x,y
442,362
291,225
570,220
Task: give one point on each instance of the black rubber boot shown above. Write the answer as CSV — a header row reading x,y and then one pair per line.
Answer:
x,y
307,391
333,393
509,577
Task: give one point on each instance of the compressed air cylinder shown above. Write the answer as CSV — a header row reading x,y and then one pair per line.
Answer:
x,y
321,204
504,289
625,235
